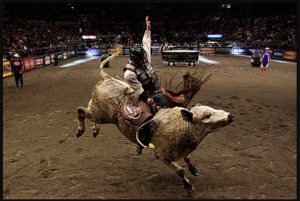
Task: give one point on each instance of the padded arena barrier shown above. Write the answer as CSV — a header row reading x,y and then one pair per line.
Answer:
x,y
6,69
223,50
39,62
31,63
180,57
115,50
290,55
207,50
28,63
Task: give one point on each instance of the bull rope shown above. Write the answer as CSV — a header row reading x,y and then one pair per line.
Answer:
x,y
151,146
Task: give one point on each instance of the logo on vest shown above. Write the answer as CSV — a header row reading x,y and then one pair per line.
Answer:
x,y
132,111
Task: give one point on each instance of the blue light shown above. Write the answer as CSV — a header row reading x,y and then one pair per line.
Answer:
x,y
90,52
214,35
75,63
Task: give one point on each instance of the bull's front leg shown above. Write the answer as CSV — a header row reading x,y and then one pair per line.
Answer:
x,y
96,129
180,171
192,167
81,116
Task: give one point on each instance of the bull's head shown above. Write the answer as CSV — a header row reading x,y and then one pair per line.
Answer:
x,y
209,118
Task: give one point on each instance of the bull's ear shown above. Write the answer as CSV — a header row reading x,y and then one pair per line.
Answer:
x,y
188,116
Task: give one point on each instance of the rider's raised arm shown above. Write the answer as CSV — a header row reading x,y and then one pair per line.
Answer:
x,y
147,40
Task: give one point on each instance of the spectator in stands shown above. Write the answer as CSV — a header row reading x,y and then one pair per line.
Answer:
x,y
17,69
267,26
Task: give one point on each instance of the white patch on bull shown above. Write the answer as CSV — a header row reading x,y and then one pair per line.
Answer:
x,y
209,115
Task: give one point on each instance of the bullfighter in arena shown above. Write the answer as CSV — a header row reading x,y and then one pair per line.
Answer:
x,y
140,75
17,68
265,59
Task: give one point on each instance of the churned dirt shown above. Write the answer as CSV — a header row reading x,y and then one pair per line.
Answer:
x,y
254,157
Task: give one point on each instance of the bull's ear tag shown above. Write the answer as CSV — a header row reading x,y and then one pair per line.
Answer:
x,y
188,116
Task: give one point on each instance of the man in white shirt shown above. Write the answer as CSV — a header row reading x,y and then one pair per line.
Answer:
x,y
140,75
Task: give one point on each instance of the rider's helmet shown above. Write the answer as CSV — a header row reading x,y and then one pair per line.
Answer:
x,y
137,55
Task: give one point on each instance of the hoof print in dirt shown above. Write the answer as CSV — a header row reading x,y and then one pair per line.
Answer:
x,y
234,97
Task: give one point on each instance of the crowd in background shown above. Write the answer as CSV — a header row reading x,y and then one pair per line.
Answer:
x,y
253,24
32,38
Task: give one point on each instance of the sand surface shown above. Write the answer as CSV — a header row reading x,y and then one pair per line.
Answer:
x,y
254,157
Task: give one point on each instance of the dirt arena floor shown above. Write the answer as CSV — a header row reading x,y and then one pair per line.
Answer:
x,y
254,157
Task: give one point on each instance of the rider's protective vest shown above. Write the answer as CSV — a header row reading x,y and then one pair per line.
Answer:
x,y
146,76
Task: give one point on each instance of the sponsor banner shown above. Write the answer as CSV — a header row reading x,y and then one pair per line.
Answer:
x,y
115,50
103,51
77,52
80,52
238,50
59,55
259,51
223,50
38,61
155,49
278,54
252,50
64,55
68,54
180,56
6,69
126,51
47,60
52,58
290,55
207,50
28,63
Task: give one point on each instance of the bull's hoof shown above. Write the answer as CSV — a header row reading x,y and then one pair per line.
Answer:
x,y
194,170
188,186
79,133
95,133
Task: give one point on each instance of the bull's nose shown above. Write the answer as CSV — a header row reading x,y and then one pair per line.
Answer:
x,y
230,118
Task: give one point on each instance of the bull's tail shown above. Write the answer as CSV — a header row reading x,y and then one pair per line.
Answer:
x,y
102,73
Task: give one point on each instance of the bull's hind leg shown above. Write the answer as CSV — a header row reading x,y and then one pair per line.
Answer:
x,y
96,129
180,171
81,116
192,167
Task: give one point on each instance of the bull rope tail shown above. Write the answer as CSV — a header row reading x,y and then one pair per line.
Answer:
x,y
102,73
151,146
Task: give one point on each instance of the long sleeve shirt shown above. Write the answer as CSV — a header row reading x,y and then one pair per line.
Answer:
x,y
129,76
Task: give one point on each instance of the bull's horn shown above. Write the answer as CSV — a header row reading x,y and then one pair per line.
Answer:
x,y
102,73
